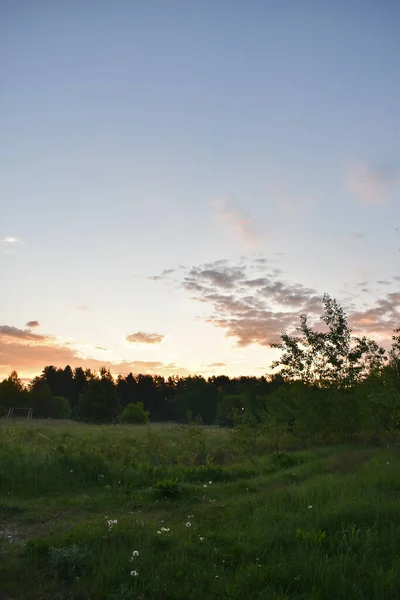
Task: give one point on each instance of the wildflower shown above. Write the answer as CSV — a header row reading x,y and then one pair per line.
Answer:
x,y
201,539
190,516
111,523
310,506
166,529
205,485
159,532
71,471
135,553
134,573
188,524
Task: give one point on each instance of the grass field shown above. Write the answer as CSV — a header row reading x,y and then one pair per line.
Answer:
x,y
178,513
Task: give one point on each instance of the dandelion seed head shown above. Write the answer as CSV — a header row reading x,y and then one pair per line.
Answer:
x,y
135,553
134,573
188,524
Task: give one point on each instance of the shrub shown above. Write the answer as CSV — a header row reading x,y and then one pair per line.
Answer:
x,y
69,562
62,408
123,593
135,414
2,411
168,488
284,460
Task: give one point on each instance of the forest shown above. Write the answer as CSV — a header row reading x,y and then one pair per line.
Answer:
x,y
330,386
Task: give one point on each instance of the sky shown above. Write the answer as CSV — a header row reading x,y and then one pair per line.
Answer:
x,y
179,181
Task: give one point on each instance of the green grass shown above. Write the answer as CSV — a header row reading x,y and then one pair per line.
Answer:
x,y
314,524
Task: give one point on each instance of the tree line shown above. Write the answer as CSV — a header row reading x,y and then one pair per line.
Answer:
x,y
331,385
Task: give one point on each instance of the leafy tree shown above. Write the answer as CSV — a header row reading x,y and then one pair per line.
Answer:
x,y
135,414
41,399
330,358
394,353
228,407
197,397
12,392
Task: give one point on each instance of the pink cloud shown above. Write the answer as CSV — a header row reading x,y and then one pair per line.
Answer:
x,y
371,184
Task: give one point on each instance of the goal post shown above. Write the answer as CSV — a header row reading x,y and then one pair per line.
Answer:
x,y
12,409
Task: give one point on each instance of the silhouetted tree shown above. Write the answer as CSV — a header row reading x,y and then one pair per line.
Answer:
x,y
328,358
41,399
12,392
99,402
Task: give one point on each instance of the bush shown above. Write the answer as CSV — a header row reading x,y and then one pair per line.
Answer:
x,y
135,414
2,411
284,460
69,562
62,409
168,488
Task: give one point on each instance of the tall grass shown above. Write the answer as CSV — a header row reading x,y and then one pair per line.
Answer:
x,y
208,519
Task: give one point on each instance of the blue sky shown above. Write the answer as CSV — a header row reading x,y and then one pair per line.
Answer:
x,y
143,137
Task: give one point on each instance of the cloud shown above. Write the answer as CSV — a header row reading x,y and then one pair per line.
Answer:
x,y
10,244
8,331
165,274
32,324
378,320
216,364
239,223
384,282
29,353
82,307
290,204
257,309
371,183
251,309
140,337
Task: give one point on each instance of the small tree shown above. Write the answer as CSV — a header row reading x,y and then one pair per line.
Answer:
x,y
135,414
331,358
12,392
228,407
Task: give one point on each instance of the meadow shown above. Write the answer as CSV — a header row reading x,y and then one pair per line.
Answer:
x,y
190,512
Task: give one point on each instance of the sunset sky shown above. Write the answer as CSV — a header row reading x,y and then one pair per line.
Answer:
x,y
180,180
